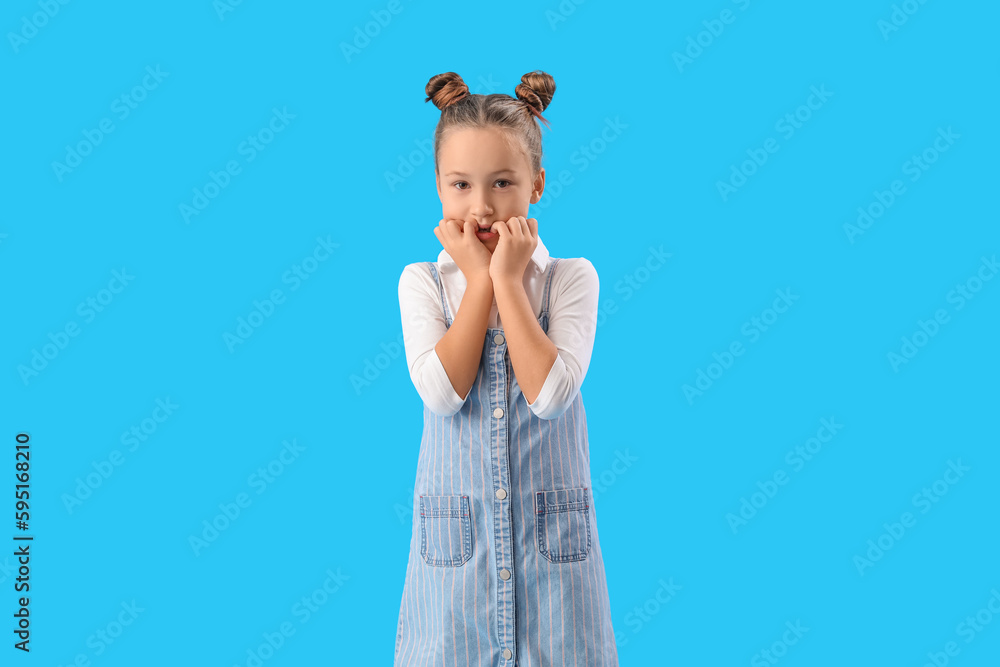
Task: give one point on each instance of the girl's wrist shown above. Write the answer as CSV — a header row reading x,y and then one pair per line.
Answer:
x,y
480,278
507,284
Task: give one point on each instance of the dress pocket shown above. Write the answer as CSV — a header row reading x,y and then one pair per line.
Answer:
x,y
563,524
445,530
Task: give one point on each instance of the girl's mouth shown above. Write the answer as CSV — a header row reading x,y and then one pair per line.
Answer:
x,y
484,234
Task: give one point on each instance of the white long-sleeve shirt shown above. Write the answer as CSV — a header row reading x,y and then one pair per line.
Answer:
x,y
573,302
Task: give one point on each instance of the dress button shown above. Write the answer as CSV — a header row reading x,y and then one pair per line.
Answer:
x,y
498,339
501,494
505,574
498,413
507,654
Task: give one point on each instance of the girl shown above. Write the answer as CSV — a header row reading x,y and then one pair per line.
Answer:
x,y
505,565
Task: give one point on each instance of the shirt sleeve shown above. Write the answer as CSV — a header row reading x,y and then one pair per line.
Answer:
x,y
423,326
573,301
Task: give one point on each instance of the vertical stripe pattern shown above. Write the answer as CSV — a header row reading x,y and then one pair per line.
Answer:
x,y
505,564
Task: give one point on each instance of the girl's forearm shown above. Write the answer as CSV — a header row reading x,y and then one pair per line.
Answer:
x,y
461,346
532,353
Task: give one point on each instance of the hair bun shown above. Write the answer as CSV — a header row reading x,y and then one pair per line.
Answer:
x,y
536,90
445,89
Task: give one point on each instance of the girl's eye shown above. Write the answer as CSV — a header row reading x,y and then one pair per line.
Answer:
x,y
460,183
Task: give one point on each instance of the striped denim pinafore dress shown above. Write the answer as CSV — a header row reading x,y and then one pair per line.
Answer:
x,y
505,565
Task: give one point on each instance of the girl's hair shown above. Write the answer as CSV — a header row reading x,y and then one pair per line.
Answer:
x,y
515,118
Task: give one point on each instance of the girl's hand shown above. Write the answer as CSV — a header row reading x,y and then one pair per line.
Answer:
x,y
458,237
518,239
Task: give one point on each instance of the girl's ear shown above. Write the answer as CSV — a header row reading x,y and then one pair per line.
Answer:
x,y
538,187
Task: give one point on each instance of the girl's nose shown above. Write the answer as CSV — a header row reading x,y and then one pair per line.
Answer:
x,y
481,208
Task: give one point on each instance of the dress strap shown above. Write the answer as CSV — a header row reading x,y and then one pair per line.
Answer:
x,y
444,302
548,281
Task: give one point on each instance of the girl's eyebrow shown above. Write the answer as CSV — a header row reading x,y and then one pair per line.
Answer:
x,y
458,173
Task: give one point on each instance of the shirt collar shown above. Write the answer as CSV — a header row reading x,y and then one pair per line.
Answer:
x,y
540,256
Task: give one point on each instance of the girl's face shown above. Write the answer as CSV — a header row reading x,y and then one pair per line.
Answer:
x,y
482,180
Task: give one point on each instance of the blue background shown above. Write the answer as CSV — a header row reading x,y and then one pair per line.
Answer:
x,y
343,502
